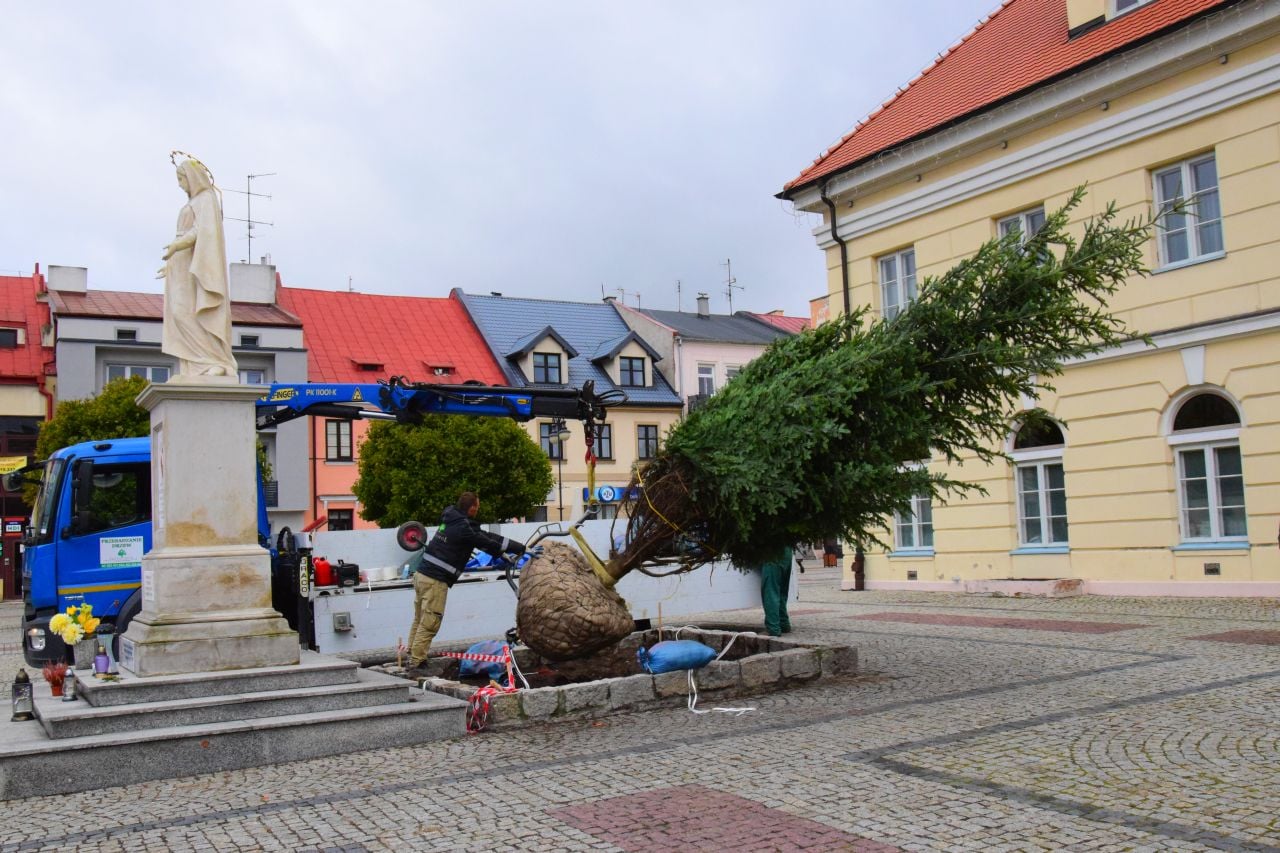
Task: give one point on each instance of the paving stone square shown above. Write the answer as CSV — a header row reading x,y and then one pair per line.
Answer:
x,y
967,725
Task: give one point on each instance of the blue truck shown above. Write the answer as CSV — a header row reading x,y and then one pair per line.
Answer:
x,y
91,521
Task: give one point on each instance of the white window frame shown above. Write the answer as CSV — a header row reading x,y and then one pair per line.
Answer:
x,y
706,379
1022,221
253,376
1192,220
146,371
1044,517
905,288
1213,481
731,372
912,522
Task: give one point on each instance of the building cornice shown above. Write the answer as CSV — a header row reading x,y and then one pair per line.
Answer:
x,y
1201,333
1200,42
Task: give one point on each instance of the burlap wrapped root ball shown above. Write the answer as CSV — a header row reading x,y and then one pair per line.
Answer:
x,y
564,611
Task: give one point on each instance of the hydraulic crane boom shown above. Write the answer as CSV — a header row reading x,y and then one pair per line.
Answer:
x,y
408,402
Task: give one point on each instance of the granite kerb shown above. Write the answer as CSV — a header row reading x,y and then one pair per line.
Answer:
x,y
762,665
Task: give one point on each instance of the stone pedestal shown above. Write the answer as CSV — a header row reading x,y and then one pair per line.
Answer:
x,y
206,583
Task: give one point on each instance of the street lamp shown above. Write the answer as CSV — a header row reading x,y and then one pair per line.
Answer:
x,y
558,435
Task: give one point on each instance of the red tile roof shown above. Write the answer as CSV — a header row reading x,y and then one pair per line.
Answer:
x,y
791,325
20,309
1021,45
407,335
126,305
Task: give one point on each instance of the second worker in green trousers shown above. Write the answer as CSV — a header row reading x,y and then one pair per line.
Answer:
x,y
775,582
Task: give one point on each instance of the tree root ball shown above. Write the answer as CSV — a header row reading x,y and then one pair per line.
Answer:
x,y
564,611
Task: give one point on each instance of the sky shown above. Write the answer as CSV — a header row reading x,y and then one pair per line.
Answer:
x,y
559,150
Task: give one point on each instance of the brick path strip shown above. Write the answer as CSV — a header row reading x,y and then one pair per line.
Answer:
x,y
1253,638
691,817
1071,627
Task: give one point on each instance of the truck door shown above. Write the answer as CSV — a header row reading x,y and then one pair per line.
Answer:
x,y
100,551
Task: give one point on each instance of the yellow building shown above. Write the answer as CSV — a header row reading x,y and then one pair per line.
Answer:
x,y
1162,475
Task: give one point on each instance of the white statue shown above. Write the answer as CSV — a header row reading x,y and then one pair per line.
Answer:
x,y
197,302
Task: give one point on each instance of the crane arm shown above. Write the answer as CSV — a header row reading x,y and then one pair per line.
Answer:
x,y
408,402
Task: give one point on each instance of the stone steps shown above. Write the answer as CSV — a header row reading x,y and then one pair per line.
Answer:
x,y
313,670
164,727
78,719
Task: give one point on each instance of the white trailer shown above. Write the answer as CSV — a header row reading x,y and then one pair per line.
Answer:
x,y
376,614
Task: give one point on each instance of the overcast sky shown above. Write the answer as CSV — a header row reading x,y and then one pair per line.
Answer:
x,y
541,149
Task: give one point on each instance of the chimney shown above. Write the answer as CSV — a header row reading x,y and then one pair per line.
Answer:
x,y
704,305
255,283
68,279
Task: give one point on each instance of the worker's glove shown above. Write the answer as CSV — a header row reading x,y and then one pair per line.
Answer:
x,y
516,548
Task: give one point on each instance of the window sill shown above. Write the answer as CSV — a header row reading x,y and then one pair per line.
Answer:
x,y
1041,549
1215,545
339,462
910,553
1190,262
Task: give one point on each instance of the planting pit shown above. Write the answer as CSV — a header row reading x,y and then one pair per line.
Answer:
x,y
612,680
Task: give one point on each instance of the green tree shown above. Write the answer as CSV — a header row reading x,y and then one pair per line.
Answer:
x,y
412,472
817,437
111,414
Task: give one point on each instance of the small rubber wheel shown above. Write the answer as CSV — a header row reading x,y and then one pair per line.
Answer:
x,y
411,535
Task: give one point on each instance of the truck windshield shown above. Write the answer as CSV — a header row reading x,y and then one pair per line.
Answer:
x,y
46,503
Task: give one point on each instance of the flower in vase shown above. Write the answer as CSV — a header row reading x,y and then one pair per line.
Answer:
x,y
59,623
71,634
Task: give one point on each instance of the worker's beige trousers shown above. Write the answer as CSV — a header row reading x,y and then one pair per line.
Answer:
x,y
429,596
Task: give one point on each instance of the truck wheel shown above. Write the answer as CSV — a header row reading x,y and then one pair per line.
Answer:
x,y
411,535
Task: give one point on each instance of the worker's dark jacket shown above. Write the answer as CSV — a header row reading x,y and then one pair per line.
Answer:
x,y
448,551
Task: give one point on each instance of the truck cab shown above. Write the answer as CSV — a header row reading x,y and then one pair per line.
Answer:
x,y
90,526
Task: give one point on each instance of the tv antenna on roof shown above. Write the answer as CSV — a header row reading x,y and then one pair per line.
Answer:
x,y
730,282
622,294
250,195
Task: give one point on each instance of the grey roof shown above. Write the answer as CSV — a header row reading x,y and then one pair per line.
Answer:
x,y
504,322
523,346
610,348
716,328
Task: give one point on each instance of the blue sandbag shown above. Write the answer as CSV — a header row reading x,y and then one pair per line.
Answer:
x,y
476,667
671,655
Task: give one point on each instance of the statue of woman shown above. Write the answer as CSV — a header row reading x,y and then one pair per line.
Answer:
x,y
197,304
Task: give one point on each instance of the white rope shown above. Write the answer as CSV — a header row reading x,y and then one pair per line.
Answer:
x,y
693,701
516,668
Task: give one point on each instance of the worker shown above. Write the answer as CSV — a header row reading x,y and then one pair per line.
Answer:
x,y
775,582
442,563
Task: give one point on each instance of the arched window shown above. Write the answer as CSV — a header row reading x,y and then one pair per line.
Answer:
x,y
1041,486
1206,437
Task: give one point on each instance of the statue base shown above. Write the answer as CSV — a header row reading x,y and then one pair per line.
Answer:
x,y
206,583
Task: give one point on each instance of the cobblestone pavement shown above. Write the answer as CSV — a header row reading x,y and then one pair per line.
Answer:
x,y
978,723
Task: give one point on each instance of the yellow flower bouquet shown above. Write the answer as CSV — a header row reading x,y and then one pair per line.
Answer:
x,y
75,626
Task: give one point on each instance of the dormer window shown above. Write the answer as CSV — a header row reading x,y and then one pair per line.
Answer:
x,y
631,372
441,370
546,368
1122,6
8,338
126,334
367,364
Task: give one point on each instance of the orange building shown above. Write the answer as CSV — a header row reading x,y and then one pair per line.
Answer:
x,y
361,337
